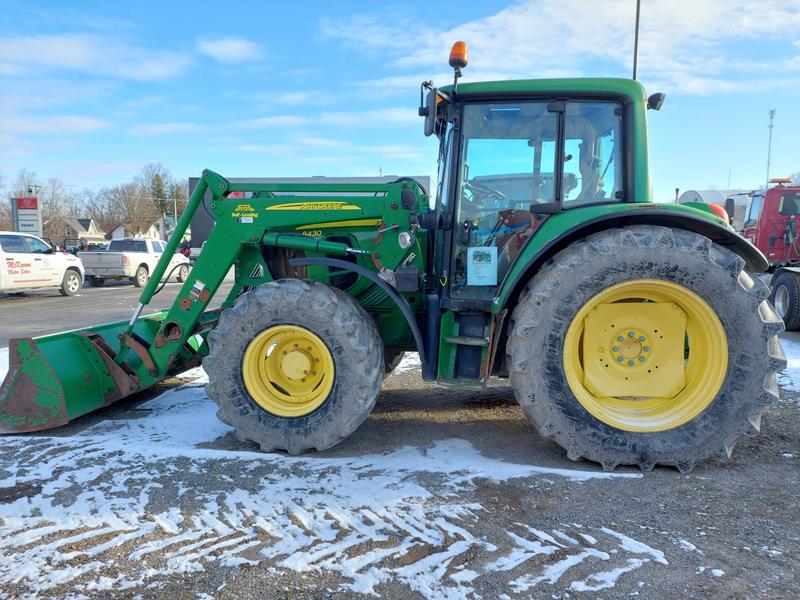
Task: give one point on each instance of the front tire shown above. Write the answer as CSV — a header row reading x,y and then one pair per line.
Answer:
x,y
71,283
785,297
294,365
729,352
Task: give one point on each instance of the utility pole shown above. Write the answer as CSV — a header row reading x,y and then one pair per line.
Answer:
x,y
769,146
636,39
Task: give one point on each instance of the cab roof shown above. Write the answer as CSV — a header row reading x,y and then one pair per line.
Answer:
x,y
612,85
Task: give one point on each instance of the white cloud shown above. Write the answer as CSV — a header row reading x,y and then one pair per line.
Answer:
x,y
166,128
311,141
681,40
295,98
44,93
275,121
380,116
143,102
52,125
365,118
11,69
230,50
92,54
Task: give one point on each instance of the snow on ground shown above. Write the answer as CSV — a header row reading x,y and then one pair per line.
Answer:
x,y
789,379
410,362
130,502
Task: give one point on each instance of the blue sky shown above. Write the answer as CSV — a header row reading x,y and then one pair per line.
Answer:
x,y
91,91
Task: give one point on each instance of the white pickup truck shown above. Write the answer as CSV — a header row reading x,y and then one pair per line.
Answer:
x,y
27,262
131,259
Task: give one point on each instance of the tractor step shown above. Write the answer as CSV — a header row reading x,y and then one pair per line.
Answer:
x,y
463,340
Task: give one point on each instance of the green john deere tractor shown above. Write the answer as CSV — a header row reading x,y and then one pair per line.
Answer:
x,y
631,332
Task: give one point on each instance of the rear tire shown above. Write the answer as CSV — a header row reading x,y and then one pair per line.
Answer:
x,y
587,268
141,277
95,281
350,336
71,284
785,297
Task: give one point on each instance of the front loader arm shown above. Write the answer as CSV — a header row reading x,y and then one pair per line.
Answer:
x,y
54,379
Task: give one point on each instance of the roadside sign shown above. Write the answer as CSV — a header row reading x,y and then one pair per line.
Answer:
x,y
26,215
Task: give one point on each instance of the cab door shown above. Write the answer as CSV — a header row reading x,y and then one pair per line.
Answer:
x,y
507,179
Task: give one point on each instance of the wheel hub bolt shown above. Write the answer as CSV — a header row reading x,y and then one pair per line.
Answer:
x,y
631,348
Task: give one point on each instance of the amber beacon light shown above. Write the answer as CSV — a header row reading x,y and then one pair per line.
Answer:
x,y
459,57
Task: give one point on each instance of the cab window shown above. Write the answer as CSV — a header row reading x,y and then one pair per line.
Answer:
x,y
519,161
592,153
507,168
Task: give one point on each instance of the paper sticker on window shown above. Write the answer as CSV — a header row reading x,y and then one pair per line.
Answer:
x,y
482,265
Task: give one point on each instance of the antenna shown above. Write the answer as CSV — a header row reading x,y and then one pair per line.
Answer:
x,y
636,39
769,147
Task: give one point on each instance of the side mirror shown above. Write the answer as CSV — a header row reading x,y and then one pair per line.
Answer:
x,y
656,101
430,113
730,207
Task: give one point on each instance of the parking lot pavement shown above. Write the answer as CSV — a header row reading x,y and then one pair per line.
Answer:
x,y
41,312
441,493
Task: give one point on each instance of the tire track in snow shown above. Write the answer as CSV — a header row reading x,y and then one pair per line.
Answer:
x,y
130,503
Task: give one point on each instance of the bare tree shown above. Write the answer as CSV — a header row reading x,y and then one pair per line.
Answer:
x,y
152,193
166,192
24,184
795,178
5,205
131,203
156,179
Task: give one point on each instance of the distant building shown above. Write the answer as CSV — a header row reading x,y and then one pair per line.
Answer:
x,y
164,226
83,229
202,223
160,229
121,232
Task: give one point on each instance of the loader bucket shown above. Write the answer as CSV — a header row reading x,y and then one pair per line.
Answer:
x,y
55,378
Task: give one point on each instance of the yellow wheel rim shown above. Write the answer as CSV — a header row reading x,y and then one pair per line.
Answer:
x,y
288,370
645,355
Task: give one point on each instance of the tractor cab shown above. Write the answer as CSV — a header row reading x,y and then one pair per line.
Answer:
x,y
511,157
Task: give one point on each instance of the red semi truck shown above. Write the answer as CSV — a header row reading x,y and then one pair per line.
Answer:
x,y
772,223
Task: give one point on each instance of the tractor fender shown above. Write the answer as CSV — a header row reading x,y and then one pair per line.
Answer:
x,y
719,234
401,303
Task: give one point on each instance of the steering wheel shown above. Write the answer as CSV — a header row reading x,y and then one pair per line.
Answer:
x,y
484,190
